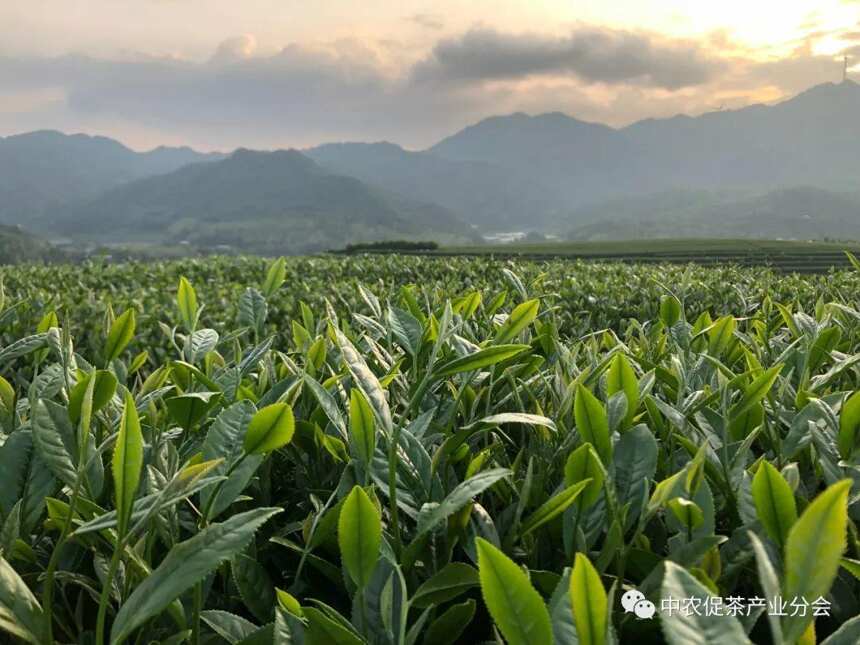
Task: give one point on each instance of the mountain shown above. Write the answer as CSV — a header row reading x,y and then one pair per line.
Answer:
x,y
546,173
40,170
17,245
550,146
810,139
574,159
484,194
800,213
267,202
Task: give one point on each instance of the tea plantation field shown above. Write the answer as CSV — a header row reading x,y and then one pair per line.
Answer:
x,y
800,256
417,450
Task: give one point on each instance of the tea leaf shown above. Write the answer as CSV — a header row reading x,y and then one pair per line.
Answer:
x,y
121,333
520,318
482,358
592,423
774,502
186,301
588,599
452,580
553,507
359,535
20,613
127,462
186,564
270,428
812,552
696,628
512,601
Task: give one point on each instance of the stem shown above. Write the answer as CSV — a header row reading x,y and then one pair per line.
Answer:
x,y
392,489
204,520
363,610
48,590
105,595
198,607
579,512
314,525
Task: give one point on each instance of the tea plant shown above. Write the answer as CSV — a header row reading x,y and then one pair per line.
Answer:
x,y
497,455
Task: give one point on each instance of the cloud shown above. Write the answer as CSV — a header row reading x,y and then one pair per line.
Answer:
x,y
791,74
595,55
296,97
354,90
235,49
429,21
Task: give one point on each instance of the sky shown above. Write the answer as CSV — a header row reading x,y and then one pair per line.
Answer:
x,y
221,74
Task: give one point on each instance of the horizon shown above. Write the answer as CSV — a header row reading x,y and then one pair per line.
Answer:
x,y
465,126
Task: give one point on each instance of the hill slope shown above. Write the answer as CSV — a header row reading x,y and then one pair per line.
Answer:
x,y
254,201
801,213
17,246
487,195
41,170
576,160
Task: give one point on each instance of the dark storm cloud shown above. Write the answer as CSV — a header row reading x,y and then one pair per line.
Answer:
x,y
594,55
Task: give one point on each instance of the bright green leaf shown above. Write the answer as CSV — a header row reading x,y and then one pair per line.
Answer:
x,y
813,550
359,535
588,599
127,462
516,607
592,422
774,502
270,428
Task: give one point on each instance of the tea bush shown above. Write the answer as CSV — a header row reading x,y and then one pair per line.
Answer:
x,y
408,450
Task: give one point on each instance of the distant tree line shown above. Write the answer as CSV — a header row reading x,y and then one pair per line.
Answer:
x,y
387,245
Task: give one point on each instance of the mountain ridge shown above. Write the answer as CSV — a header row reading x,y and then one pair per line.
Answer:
x,y
503,173
251,200
44,168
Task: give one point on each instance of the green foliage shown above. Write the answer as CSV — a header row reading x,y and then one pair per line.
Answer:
x,y
270,428
774,502
588,600
696,628
813,550
592,422
400,450
186,301
359,534
513,602
120,335
185,565
127,462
